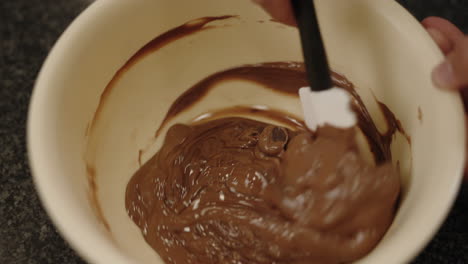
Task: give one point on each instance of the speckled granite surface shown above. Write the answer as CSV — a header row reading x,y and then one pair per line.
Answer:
x,y
28,29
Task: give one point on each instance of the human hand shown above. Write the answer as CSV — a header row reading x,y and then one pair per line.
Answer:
x,y
452,74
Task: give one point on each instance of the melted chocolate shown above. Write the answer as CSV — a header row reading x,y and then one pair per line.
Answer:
x,y
234,190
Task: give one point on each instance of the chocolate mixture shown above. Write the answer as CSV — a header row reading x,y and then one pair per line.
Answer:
x,y
235,190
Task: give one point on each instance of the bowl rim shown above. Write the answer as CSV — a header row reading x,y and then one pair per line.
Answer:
x,y
47,189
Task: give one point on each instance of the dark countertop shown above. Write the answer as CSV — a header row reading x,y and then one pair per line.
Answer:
x,y
28,29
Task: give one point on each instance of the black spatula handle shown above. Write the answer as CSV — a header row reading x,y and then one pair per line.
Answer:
x,y
315,57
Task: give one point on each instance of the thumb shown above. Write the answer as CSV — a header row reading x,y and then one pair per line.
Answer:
x,y
452,74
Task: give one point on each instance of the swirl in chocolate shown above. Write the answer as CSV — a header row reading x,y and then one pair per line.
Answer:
x,y
234,190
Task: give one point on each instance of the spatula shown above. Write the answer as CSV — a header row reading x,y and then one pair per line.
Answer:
x,y
322,103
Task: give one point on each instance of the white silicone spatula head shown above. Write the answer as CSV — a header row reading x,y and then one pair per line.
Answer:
x,y
329,107
322,104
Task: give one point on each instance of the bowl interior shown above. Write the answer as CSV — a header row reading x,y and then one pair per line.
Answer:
x,y
375,43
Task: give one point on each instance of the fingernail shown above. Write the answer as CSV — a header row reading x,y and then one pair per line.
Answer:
x,y
444,77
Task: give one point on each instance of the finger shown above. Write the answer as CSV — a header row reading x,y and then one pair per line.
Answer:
x,y
441,40
452,32
279,10
452,74
444,33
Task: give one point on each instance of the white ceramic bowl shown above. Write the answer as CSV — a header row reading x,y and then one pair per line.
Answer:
x,y
375,43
